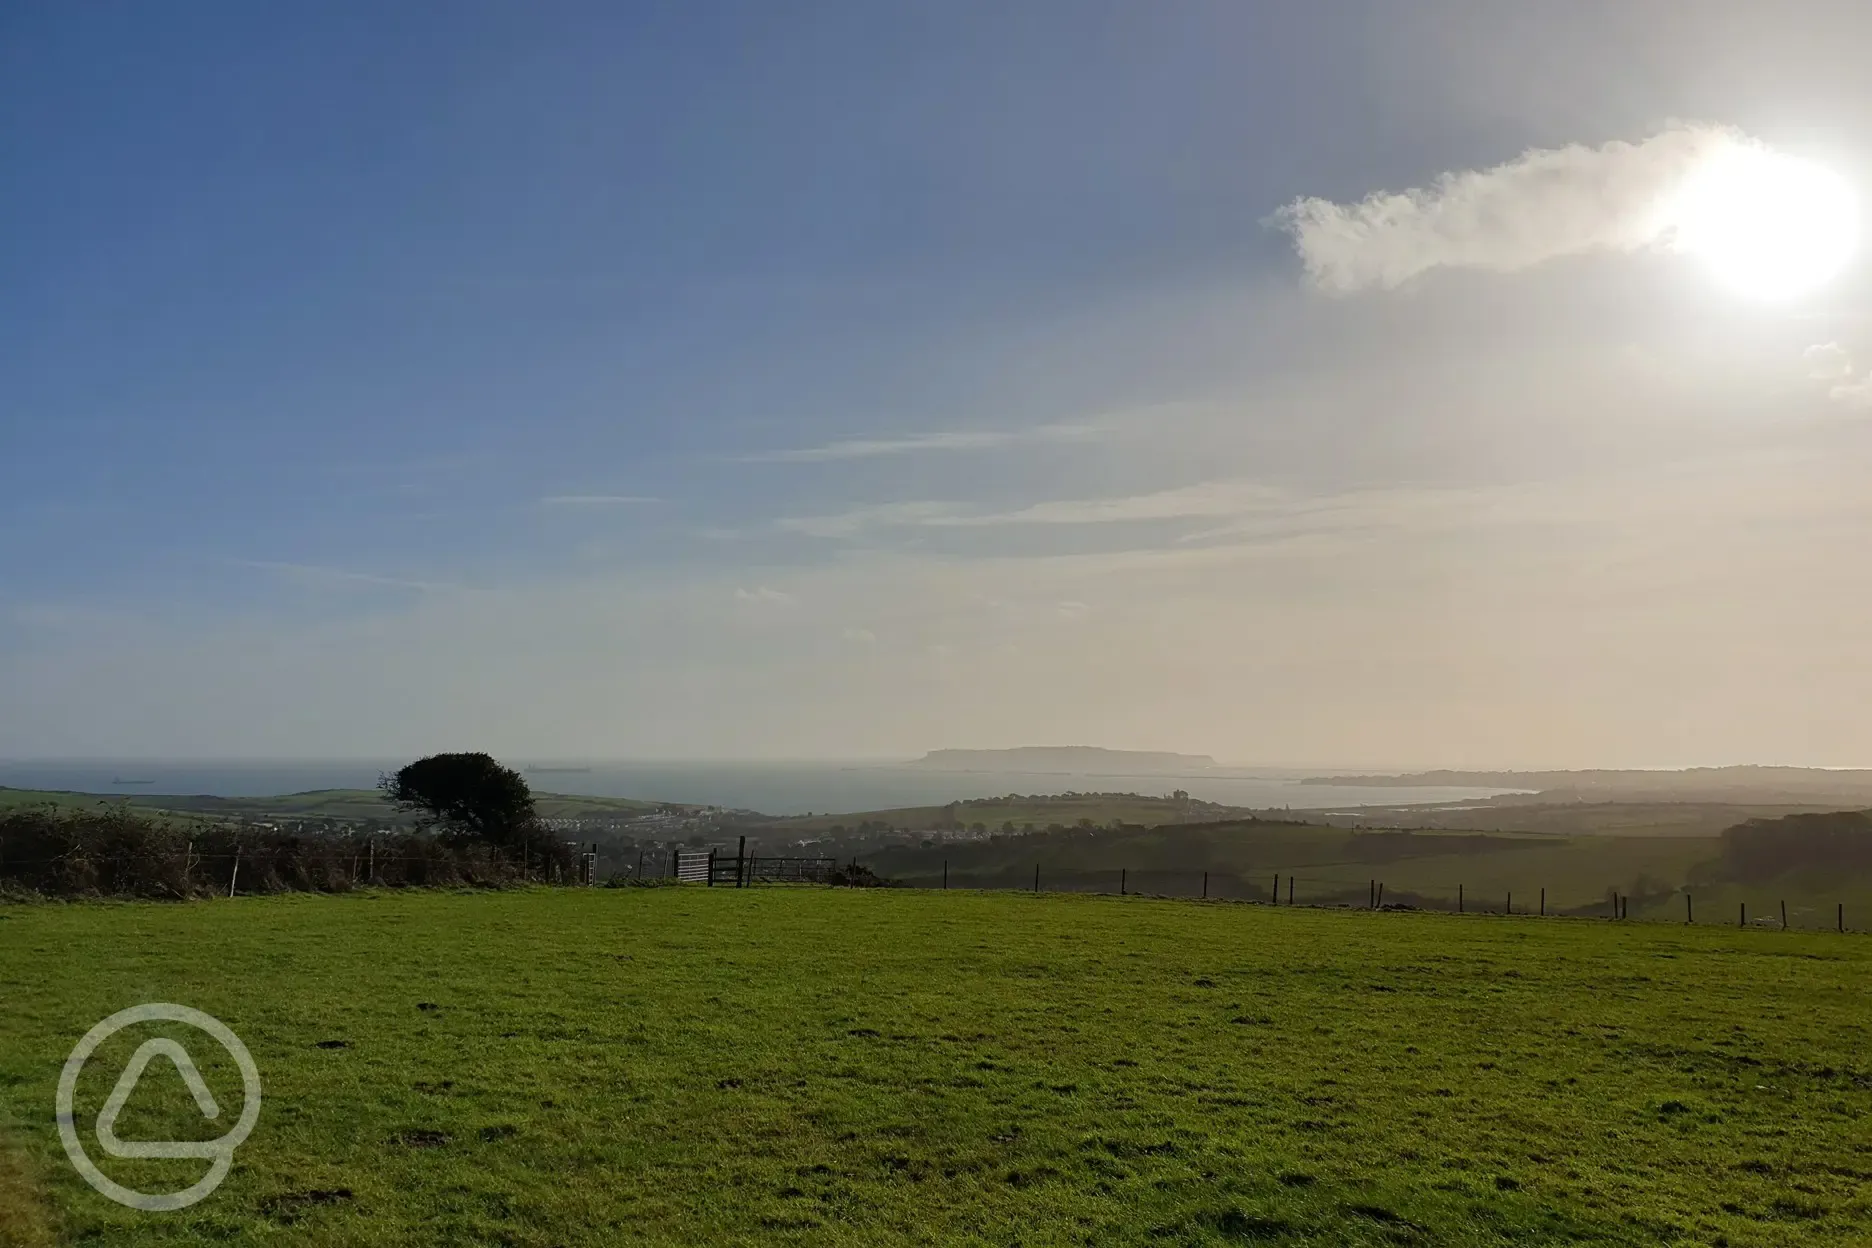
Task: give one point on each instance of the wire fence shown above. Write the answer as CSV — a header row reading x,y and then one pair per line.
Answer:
x,y
1718,904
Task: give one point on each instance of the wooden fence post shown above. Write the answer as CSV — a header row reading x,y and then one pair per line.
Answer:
x,y
945,875
1784,916
1275,895
1290,880
234,877
740,863
1543,903
1689,910
1842,916
1459,899
1381,894
1510,907
1124,876
1205,886
1743,920
373,860
1036,877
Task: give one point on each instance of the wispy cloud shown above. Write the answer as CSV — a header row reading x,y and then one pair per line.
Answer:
x,y
1208,499
319,575
594,500
912,444
763,596
1543,205
860,519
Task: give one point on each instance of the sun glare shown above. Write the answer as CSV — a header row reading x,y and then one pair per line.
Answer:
x,y
1769,225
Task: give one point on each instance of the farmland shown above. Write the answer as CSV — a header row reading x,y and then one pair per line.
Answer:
x,y
686,1065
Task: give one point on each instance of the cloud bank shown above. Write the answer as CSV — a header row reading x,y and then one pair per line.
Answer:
x,y
1546,204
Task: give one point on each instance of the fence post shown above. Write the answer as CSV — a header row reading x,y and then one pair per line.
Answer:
x,y
1036,877
1510,907
1543,903
1124,875
740,863
640,854
1205,886
1381,894
373,860
1689,911
1842,916
1784,916
1371,894
1290,880
1275,895
234,877
1743,920
1459,899
945,875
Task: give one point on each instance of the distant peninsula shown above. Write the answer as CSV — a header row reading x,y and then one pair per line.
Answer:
x,y
1067,759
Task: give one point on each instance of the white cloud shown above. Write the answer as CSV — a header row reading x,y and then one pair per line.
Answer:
x,y
952,440
1545,204
1854,393
1828,361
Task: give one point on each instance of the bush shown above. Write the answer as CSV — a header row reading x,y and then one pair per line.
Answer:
x,y
117,852
855,876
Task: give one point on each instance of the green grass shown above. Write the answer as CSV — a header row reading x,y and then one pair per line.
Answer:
x,y
689,1065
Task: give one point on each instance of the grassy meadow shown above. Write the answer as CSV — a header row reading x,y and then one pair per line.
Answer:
x,y
688,1065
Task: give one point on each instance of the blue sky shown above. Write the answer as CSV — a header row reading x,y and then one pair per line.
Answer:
x,y
717,380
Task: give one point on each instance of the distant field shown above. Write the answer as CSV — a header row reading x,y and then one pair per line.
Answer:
x,y
690,1065
1038,811
1327,864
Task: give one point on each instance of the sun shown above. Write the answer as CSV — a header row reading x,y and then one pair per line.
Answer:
x,y
1769,225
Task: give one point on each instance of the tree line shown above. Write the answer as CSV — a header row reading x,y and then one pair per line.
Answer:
x,y
476,826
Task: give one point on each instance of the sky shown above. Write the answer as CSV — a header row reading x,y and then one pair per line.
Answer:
x,y
1294,383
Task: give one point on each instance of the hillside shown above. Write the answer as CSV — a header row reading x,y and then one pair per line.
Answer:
x,y
1753,785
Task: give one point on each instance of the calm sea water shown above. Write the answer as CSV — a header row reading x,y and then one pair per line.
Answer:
x,y
773,788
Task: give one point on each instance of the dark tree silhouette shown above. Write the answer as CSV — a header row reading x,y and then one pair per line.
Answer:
x,y
469,797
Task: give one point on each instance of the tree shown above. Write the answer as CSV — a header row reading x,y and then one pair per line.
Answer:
x,y
469,796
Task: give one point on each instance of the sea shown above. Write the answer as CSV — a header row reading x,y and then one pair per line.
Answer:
x,y
768,787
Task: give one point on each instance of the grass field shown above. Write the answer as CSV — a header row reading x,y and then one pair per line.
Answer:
x,y
686,1065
